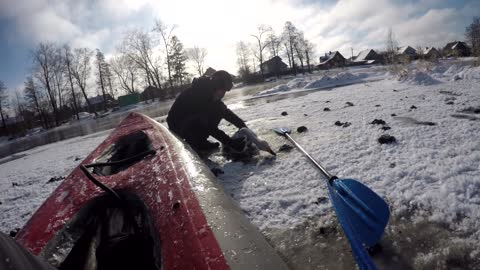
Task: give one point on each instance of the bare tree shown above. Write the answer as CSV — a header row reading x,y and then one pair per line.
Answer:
x,y
287,52
34,98
290,35
126,72
274,43
472,32
19,109
109,77
309,54
391,46
165,32
3,103
243,62
299,46
101,71
59,75
138,47
261,43
44,58
81,68
68,67
197,56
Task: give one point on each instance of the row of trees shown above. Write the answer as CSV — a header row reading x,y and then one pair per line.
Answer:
x,y
290,44
62,78
472,32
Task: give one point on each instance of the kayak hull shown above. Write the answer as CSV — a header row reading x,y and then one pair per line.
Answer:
x,y
198,225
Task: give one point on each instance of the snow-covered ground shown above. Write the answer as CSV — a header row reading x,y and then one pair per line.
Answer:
x,y
430,177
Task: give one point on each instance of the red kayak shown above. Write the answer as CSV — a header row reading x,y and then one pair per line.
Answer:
x,y
143,200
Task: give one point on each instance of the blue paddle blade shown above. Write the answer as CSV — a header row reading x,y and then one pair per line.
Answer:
x,y
282,131
365,210
360,254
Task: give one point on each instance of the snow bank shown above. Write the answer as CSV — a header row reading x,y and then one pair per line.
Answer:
x,y
324,81
419,78
297,83
456,71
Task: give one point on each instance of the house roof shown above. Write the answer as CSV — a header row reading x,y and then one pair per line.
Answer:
x,y
428,50
403,49
275,59
329,57
364,54
455,44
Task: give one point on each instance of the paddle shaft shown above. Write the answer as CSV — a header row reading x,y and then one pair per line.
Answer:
x,y
320,167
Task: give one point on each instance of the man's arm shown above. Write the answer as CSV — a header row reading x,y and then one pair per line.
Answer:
x,y
220,135
231,117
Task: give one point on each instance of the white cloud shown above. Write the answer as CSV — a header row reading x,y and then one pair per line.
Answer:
x,y
218,24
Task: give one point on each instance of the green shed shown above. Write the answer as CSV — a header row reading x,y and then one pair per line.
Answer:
x,y
128,99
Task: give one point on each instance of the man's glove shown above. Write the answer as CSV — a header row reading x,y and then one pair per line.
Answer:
x,y
238,144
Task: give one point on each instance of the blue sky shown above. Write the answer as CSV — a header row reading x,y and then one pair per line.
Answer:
x,y
218,24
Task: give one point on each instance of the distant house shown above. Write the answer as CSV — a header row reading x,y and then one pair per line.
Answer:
x,y
209,72
430,53
367,57
332,60
406,52
456,49
274,66
97,102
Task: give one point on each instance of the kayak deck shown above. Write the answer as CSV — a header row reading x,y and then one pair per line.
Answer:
x,y
197,225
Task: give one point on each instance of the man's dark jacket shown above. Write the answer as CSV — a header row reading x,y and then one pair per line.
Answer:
x,y
196,114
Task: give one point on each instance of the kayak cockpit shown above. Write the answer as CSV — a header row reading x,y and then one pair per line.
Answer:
x,y
122,153
106,234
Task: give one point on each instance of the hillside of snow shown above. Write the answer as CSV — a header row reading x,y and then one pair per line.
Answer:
x,y
429,176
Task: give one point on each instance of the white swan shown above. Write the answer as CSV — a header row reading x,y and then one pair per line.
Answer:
x,y
252,137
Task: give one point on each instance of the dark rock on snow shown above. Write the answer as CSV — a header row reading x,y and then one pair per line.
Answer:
x,y
340,124
284,113
386,128
15,184
387,139
413,107
426,123
378,122
326,109
321,200
474,110
348,103
302,129
393,115
285,148
56,179
378,105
